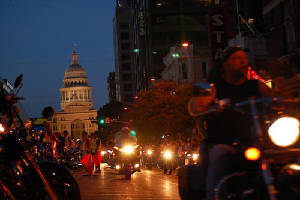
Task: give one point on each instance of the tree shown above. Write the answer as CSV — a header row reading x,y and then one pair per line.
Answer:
x,y
162,110
112,110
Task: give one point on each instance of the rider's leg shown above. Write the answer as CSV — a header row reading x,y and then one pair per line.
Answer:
x,y
220,163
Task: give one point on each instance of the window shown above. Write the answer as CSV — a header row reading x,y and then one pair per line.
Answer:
x,y
126,67
204,70
125,36
127,87
125,56
124,26
125,46
184,73
126,77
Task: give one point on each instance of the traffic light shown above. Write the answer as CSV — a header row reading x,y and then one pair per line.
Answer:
x,y
132,133
101,121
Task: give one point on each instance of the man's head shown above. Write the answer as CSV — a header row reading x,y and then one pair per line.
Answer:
x,y
126,130
65,133
235,63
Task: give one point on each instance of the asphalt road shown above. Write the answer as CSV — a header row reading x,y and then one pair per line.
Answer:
x,y
147,184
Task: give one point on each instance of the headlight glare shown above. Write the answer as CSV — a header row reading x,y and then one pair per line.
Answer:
x,y
167,155
284,131
128,149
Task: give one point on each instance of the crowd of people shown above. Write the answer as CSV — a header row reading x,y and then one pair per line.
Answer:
x,y
56,146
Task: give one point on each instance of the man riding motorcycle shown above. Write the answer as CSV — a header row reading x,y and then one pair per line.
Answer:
x,y
126,154
224,128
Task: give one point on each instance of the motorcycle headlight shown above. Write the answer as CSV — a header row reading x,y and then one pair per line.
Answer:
x,y
195,156
2,129
149,152
167,155
128,149
284,131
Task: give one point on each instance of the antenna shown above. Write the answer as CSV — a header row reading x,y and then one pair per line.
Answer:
x,y
238,17
74,47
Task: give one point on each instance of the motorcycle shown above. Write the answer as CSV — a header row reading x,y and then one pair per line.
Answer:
x,y
272,158
148,158
127,161
21,176
70,158
269,163
191,158
168,162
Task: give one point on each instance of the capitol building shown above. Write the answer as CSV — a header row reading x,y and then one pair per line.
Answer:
x,y
76,104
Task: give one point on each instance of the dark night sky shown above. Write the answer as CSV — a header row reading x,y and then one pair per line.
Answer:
x,y
36,38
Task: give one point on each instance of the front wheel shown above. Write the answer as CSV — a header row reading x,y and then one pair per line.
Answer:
x,y
61,179
127,171
242,186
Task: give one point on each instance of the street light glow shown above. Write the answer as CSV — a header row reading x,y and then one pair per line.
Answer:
x,y
185,44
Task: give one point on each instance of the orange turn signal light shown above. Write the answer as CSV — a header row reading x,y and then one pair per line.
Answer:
x,y
252,153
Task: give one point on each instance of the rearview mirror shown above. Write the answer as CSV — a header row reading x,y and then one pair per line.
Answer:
x,y
18,81
202,88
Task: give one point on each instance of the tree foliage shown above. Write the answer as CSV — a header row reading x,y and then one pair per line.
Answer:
x,y
112,110
162,110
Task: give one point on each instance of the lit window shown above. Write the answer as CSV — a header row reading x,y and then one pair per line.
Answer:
x,y
250,21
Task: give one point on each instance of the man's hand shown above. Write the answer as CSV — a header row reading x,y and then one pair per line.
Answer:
x,y
199,104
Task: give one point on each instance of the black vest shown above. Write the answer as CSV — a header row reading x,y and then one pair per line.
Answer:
x,y
228,126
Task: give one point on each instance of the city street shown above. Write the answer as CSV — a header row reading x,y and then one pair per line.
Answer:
x,y
147,184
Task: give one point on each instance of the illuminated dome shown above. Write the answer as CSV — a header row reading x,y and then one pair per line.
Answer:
x,y
76,92
75,71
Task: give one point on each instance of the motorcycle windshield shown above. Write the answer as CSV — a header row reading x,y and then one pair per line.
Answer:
x,y
23,114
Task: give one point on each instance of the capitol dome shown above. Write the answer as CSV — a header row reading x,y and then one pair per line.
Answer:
x,y
76,90
75,71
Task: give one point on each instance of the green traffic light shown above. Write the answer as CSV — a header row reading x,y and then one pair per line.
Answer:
x,y
132,133
102,121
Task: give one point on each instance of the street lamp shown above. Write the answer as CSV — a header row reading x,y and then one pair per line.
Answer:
x,y
185,44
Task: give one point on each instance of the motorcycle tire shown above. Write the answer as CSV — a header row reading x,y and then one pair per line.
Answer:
x,y
242,186
127,171
61,179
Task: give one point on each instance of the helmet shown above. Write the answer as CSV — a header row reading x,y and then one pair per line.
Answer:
x,y
125,129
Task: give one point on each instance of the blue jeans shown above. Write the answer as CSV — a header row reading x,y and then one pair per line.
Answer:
x,y
221,162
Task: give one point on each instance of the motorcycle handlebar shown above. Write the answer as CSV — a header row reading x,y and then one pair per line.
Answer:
x,y
224,103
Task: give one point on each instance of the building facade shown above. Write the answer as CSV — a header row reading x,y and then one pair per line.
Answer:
x,y
123,51
76,113
111,86
159,25
186,64
281,19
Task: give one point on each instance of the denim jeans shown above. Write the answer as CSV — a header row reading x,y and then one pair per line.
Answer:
x,y
221,162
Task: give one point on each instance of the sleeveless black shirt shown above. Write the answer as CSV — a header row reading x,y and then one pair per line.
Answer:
x,y
227,126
